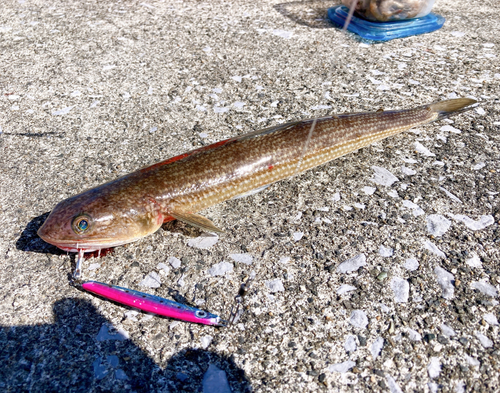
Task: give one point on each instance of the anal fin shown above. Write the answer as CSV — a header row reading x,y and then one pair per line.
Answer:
x,y
196,220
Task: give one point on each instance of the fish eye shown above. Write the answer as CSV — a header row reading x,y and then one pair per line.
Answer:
x,y
81,224
201,314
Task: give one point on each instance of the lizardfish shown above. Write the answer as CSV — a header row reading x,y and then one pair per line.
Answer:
x,y
135,205
152,304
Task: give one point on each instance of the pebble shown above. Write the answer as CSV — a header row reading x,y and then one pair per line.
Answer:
x,y
445,280
215,380
411,264
459,387
413,335
246,259
181,377
482,223
341,367
369,190
386,251
416,210
174,324
350,343
63,111
485,341
447,331
206,341
437,225
485,288
383,177
221,109
285,34
393,386
352,264
345,288
164,269
434,368
174,262
121,375
131,315
376,347
450,129
94,266
203,242
408,171
359,319
104,334
100,370
475,261
472,361
401,289
428,245
275,285
428,337
219,269
423,150
393,194
442,339
152,280
362,341
285,259
491,319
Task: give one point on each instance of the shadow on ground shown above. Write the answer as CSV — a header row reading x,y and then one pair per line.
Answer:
x,y
30,241
313,14
80,353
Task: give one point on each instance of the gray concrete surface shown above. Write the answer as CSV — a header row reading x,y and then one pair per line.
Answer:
x,y
91,90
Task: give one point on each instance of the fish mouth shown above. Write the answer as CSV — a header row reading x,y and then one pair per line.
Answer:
x,y
87,245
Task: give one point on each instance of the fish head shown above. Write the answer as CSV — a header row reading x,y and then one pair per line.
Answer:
x,y
92,221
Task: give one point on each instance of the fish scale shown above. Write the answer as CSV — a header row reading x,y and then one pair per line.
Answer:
x,y
332,138
135,205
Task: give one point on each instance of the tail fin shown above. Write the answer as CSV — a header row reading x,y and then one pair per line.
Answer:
x,y
447,108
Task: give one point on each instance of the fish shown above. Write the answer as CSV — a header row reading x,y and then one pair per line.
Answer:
x,y
137,204
152,304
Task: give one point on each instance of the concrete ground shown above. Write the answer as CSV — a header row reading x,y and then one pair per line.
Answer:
x,y
91,90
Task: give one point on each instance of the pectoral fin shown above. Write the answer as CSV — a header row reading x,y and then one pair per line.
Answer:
x,y
196,220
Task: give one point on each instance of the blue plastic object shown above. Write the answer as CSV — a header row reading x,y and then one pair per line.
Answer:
x,y
385,31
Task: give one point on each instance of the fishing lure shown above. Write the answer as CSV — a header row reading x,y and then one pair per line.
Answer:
x,y
152,304
135,205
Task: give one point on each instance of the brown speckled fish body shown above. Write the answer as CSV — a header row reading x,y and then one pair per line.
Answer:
x,y
243,164
135,205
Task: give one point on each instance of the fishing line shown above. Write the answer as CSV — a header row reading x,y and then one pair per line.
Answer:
x,y
349,15
313,125
306,145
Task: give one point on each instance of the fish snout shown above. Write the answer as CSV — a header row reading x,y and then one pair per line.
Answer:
x,y
52,231
43,232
